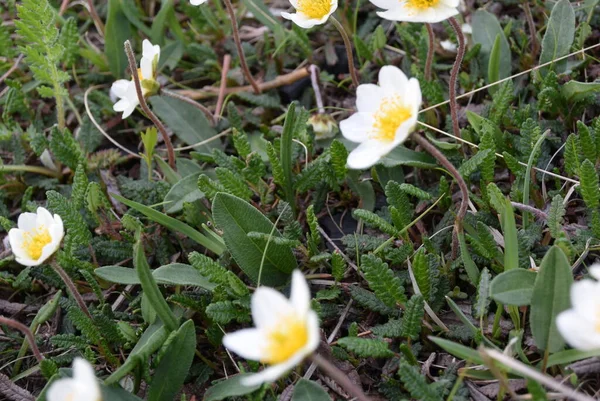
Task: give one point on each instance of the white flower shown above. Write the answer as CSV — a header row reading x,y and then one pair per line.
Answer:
x,y
431,11
83,386
37,237
449,46
387,114
124,90
197,2
580,326
323,125
286,332
311,12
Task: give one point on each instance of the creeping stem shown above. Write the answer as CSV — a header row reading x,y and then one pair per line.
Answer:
x,y
460,54
238,44
144,105
26,332
339,377
348,46
430,51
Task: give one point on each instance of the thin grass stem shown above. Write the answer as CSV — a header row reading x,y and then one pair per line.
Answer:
x,y
348,45
460,54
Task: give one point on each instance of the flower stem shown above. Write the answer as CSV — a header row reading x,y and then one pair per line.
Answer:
x,y
71,286
29,169
189,101
238,44
430,52
144,105
314,78
94,14
26,332
339,377
460,54
348,46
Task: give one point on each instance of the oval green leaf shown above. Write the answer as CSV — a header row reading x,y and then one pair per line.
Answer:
x,y
230,387
513,287
306,390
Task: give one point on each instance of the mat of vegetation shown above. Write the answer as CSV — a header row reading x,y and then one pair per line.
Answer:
x,y
299,200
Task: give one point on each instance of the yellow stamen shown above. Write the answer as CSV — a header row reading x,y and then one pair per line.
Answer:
x,y
391,114
285,339
35,241
314,9
421,4
139,71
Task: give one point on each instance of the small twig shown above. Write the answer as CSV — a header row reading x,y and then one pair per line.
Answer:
x,y
189,101
240,49
538,213
430,52
144,105
348,45
314,79
71,286
460,54
97,20
12,68
339,377
222,86
27,333
281,80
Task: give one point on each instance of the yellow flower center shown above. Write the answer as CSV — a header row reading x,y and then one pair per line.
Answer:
x,y
391,114
314,9
422,4
140,76
285,339
34,242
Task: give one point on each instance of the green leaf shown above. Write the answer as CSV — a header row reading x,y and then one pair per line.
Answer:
x,y
589,185
116,33
306,390
230,387
486,29
471,165
422,274
173,224
480,308
285,155
550,297
174,365
511,242
458,350
416,383
171,274
555,217
237,218
373,220
150,288
382,280
513,287
570,356
402,156
233,183
494,63
470,266
413,317
187,122
185,190
559,36
366,347
575,91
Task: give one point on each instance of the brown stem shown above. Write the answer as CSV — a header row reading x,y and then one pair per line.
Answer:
x,y
460,54
339,377
535,45
26,332
71,286
430,52
189,101
144,105
97,20
222,86
348,45
238,44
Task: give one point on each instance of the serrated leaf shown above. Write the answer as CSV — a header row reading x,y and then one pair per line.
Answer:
x,y
366,347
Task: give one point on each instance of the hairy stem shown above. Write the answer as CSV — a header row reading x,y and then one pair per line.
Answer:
x,y
339,377
144,105
348,46
460,54
71,286
238,44
26,332
189,101
430,52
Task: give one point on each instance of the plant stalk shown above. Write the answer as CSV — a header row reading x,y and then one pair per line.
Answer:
x,y
71,287
94,14
27,333
144,105
339,377
189,101
29,169
430,52
348,45
460,54
238,44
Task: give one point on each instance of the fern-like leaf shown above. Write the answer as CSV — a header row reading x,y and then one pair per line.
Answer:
x,y
572,159
413,315
420,267
373,220
366,347
482,301
339,156
587,142
589,185
233,183
555,216
414,191
382,280
471,165
416,383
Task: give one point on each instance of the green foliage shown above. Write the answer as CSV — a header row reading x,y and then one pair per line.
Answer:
x,y
370,301
392,329
339,155
373,220
366,347
400,207
218,274
572,158
69,38
413,316
382,280
314,238
233,183
241,144
471,165
338,266
414,191
589,185
65,148
483,295
487,166
80,186
555,215
74,223
276,168
209,187
587,142
416,384
420,267
501,102
224,312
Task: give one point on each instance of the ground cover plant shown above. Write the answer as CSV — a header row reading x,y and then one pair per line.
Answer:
x,y
304,200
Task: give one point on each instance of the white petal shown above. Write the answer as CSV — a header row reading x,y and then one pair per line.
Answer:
x,y
61,390
385,4
404,131
300,293
392,80
368,98
146,68
84,375
58,226
356,128
577,332
451,3
27,261
314,333
595,271
27,221
197,2
272,373
44,218
119,88
268,307
247,343
301,20
585,298
16,240
149,50
368,154
430,15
